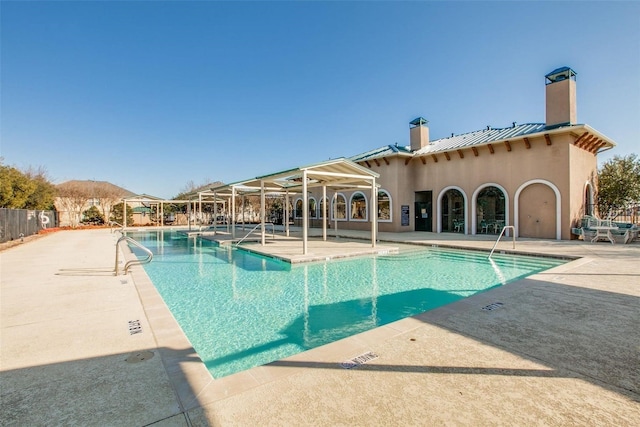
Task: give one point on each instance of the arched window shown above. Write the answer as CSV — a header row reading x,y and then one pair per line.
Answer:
x,y
384,206
298,212
452,204
339,208
312,208
321,208
490,210
588,200
358,207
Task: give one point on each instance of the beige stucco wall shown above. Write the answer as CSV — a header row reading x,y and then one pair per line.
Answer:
x,y
536,175
584,169
561,102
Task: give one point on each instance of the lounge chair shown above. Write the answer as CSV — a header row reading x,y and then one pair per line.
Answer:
x,y
626,232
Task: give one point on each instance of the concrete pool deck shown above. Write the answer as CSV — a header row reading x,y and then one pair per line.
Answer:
x,y
83,347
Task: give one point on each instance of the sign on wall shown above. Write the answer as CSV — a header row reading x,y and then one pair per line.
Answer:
x,y
405,215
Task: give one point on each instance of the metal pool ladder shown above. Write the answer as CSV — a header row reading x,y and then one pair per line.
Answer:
x,y
133,261
500,236
273,231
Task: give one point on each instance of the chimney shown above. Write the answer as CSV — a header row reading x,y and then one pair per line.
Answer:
x,y
418,133
561,97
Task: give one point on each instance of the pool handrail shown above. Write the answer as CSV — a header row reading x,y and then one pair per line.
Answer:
x,y
133,261
112,223
501,233
273,231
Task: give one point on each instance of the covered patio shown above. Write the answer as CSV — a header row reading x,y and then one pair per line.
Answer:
x,y
337,174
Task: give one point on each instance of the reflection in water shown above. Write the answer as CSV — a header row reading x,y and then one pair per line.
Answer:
x,y
499,275
324,323
241,310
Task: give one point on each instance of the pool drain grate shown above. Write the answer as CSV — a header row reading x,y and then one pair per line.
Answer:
x,y
139,356
359,360
493,306
135,327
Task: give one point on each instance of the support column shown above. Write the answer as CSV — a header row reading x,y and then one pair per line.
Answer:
x,y
215,213
305,213
374,213
189,214
285,221
262,213
227,207
324,212
233,212
335,213
243,210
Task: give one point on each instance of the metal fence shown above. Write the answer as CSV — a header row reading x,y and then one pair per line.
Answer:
x,y
19,223
625,214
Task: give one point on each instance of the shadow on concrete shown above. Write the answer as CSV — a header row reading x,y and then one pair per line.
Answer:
x,y
116,389
325,323
576,332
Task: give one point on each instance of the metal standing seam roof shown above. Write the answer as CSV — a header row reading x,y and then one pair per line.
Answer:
x,y
465,140
480,137
377,153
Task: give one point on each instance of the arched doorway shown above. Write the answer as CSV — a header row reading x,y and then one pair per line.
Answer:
x,y
490,210
537,207
588,200
452,211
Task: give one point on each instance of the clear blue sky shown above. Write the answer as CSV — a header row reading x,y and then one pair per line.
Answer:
x,y
152,95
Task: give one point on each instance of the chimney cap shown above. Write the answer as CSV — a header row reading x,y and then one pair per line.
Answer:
x,y
418,121
559,74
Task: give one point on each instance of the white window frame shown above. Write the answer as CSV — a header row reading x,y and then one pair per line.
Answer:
x,y
381,190
346,210
366,207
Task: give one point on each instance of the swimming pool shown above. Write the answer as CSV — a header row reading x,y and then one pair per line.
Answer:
x,y
241,310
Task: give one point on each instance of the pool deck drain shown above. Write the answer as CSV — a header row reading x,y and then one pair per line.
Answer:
x,y
565,352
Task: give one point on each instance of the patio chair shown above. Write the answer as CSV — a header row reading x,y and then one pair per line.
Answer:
x,y
458,226
484,226
626,232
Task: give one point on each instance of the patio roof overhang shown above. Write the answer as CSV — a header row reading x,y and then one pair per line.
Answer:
x,y
337,173
340,172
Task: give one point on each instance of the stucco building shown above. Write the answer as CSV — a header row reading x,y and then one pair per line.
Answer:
x,y
539,178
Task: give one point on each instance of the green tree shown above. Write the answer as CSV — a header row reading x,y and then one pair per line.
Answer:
x,y
44,194
15,187
618,183
117,216
92,216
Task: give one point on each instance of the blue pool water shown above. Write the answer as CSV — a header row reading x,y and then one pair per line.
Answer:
x,y
241,310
